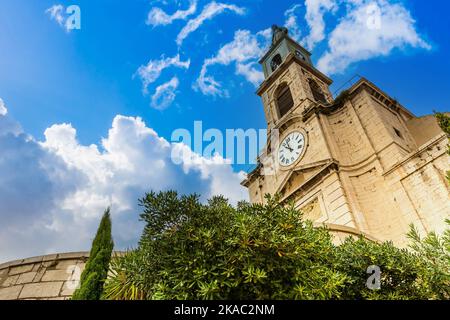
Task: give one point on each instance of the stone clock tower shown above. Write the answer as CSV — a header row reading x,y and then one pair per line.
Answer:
x,y
360,163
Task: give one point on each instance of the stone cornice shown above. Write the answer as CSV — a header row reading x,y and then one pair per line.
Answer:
x,y
275,45
49,257
284,66
436,140
301,168
377,93
332,166
252,175
347,230
387,100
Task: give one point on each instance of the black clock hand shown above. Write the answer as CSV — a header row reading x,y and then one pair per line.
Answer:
x,y
289,147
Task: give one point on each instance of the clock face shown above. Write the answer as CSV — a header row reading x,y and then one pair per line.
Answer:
x,y
291,148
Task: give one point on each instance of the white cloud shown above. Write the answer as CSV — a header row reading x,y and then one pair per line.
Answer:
x,y
217,169
157,16
370,29
56,12
62,16
165,94
315,11
292,22
314,18
53,192
3,110
151,72
244,51
7,125
210,11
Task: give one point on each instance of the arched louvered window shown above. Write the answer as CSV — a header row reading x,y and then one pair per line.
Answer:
x,y
284,100
276,62
317,91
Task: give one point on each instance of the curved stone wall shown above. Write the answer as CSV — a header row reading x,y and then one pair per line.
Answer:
x,y
50,277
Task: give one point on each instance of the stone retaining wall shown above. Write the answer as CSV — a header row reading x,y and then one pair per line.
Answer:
x,y
50,277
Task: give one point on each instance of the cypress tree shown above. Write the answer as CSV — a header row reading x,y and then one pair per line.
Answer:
x,y
97,266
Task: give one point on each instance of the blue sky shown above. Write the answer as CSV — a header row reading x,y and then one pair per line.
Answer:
x,y
81,133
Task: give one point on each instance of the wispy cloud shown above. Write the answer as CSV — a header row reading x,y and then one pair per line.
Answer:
x,y
56,13
150,73
350,40
370,29
366,29
315,11
158,17
165,94
292,22
209,12
61,15
244,51
3,109
313,18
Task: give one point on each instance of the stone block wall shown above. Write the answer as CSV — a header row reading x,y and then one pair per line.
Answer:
x,y
50,277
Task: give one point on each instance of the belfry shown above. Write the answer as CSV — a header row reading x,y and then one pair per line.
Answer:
x,y
360,163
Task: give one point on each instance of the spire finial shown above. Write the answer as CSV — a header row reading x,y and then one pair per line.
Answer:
x,y
278,33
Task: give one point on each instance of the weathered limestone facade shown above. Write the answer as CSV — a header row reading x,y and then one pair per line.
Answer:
x,y
51,277
369,166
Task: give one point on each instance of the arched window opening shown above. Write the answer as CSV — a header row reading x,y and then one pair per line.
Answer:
x,y
284,100
317,91
276,62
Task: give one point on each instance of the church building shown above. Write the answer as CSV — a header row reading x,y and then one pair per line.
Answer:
x,y
360,163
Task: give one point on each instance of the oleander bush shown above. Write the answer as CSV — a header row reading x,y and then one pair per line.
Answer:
x,y
189,250
434,253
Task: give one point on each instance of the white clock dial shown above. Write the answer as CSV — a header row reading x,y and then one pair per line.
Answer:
x,y
291,148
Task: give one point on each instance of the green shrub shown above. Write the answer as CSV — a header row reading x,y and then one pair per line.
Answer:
x,y
214,251
434,253
400,271
193,251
